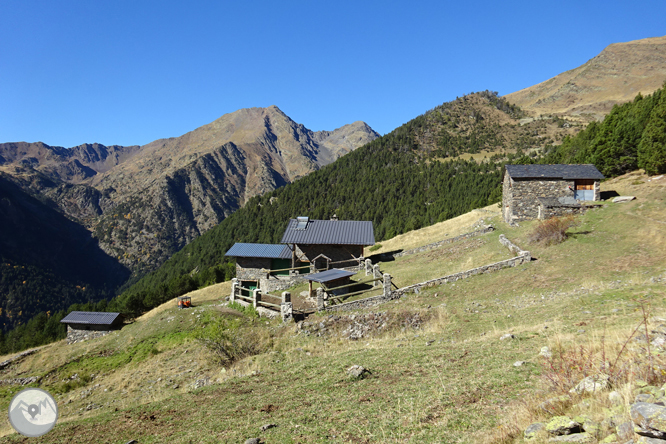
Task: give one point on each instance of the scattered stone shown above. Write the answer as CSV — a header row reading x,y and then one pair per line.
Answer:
x,y
591,427
625,430
650,419
645,397
519,363
267,427
507,336
620,199
615,398
357,372
533,429
591,384
253,441
546,353
563,425
646,440
576,437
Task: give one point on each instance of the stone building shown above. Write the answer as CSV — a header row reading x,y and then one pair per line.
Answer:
x,y
543,191
327,243
83,325
263,266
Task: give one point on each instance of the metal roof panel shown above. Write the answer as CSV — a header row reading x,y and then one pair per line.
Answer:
x,y
271,251
330,232
558,171
330,275
90,318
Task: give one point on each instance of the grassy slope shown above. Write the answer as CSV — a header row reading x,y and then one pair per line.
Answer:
x,y
457,389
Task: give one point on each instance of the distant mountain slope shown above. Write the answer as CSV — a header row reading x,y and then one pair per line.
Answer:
x,y
616,75
144,203
47,262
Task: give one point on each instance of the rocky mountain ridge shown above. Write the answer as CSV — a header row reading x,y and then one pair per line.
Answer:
x,y
146,202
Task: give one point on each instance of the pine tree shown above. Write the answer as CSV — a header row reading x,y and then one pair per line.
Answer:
x,y
652,148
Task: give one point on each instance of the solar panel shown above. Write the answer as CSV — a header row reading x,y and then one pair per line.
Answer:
x,y
302,223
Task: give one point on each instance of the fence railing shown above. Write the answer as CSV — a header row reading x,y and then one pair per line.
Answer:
x,y
259,301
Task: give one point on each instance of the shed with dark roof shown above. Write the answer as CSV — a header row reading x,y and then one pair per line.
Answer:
x,y
524,185
326,242
82,325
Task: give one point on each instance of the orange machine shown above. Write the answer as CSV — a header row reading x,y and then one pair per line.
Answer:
x,y
184,302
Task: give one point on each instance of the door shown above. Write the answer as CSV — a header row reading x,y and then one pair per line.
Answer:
x,y
584,189
280,264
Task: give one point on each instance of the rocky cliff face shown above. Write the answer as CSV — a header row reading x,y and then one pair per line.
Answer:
x,y
616,75
146,202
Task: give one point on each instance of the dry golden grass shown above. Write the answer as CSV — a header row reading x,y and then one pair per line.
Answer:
x,y
202,296
440,231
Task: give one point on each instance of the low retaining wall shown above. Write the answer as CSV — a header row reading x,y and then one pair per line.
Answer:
x,y
363,303
485,230
515,249
514,261
521,258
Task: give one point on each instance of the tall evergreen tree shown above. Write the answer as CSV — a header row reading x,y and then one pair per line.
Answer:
x,y
652,147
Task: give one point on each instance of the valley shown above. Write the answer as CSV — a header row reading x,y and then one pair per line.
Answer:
x,y
438,368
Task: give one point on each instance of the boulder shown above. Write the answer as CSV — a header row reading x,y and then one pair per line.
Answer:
x,y
357,372
615,398
576,437
591,384
650,419
620,199
532,430
507,336
546,353
563,425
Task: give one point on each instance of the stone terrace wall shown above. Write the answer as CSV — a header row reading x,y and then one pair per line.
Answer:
x,y
548,211
523,257
485,230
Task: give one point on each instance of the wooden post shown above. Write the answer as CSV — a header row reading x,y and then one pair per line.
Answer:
x,y
310,293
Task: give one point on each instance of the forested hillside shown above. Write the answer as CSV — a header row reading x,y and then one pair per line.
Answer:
x,y
403,181
632,136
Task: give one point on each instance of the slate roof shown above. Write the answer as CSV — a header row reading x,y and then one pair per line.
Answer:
x,y
330,232
91,318
271,251
330,275
561,171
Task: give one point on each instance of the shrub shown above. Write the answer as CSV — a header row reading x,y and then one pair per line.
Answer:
x,y
552,231
375,247
232,339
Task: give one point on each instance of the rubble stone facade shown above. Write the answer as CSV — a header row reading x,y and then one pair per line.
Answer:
x,y
520,197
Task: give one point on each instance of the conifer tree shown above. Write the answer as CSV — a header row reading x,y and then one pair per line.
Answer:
x,y
652,147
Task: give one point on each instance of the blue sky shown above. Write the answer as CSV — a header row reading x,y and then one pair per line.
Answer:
x,y
129,72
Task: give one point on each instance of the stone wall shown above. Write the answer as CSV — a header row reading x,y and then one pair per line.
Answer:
x,y
547,211
485,230
521,258
74,335
522,195
249,268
